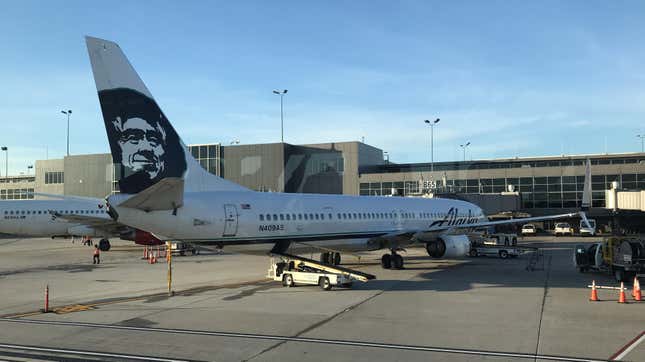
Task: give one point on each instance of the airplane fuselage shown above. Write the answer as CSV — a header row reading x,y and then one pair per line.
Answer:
x,y
339,221
35,218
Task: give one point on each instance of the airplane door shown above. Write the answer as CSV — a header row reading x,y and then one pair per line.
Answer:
x,y
398,220
230,220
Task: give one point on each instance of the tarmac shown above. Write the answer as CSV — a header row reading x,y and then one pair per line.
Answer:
x,y
225,309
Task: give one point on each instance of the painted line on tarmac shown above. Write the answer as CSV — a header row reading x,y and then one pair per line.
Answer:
x,y
72,308
339,342
86,353
624,351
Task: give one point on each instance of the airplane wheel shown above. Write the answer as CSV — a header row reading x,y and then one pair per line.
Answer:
x,y
397,261
503,254
386,261
104,245
473,253
324,283
336,258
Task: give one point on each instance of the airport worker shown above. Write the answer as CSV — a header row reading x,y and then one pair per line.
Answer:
x,y
96,259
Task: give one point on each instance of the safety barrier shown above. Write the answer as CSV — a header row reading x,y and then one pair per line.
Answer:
x,y
622,299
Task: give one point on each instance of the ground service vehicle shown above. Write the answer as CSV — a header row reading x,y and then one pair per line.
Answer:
x,y
500,239
292,271
622,257
502,245
529,229
563,228
182,249
588,230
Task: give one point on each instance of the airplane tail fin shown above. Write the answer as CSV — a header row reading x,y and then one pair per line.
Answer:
x,y
145,147
586,191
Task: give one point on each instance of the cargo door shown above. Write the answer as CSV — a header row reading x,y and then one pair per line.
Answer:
x,y
230,220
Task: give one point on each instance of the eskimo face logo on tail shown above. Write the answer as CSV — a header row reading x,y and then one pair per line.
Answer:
x,y
144,145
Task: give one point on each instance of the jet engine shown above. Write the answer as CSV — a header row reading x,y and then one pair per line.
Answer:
x,y
448,246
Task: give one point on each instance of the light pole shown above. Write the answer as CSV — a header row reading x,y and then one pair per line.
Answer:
x,y
464,148
432,124
281,94
68,113
387,157
6,163
642,137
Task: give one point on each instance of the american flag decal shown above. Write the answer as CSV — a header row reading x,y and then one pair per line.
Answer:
x,y
245,206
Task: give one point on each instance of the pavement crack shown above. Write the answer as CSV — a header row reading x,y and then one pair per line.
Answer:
x,y
546,291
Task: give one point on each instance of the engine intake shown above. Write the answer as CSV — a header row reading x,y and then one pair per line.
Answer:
x,y
448,246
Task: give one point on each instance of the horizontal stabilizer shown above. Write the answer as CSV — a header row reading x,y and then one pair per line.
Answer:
x,y
167,194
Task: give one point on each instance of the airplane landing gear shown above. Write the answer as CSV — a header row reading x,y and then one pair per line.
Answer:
x,y
104,245
392,261
330,258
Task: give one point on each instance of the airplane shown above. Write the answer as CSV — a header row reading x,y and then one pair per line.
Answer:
x,y
65,217
164,190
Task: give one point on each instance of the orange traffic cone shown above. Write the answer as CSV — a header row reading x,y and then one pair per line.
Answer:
x,y
621,297
594,292
636,291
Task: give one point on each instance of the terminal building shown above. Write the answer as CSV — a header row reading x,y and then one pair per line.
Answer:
x,y
542,185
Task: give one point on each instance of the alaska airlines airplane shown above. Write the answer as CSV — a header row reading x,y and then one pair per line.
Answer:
x,y
166,191
67,217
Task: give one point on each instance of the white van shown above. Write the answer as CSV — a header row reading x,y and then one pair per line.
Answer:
x,y
563,228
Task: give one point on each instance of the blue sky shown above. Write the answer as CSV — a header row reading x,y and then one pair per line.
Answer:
x,y
513,78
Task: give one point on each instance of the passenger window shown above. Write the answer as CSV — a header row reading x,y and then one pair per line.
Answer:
x,y
293,217
330,217
344,216
339,216
288,217
268,217
316,215
281,217
299,216
261,217
22,212
311,216
275,217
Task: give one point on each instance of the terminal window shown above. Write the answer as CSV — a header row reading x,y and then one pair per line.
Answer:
x,y
54,177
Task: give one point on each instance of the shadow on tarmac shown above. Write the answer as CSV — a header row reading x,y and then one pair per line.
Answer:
x,y
448,276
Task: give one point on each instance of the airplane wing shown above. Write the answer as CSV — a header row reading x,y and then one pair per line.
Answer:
x,y
109,226
504,222
401,237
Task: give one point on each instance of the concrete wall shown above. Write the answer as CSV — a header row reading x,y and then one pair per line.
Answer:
x,y
259,167
355,155
44,166
88,175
